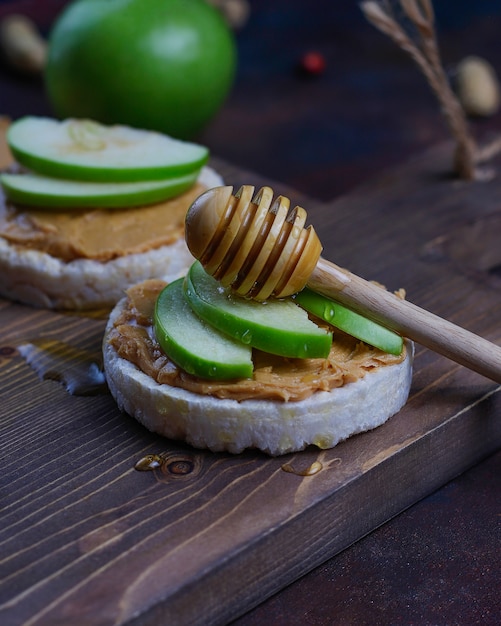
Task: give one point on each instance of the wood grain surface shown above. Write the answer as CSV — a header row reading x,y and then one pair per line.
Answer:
x,y
87,539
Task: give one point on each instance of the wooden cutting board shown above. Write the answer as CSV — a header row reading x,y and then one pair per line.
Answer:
x,y
87,539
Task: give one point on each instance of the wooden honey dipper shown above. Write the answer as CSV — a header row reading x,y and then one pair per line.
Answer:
x,y
260,248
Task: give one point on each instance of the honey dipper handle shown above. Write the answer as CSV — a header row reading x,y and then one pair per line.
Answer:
x,y
427,329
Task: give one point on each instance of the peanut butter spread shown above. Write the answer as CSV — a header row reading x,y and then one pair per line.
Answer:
x,y
275,378
99,234
5,155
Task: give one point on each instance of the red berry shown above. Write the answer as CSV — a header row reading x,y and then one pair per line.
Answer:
x,y
313,63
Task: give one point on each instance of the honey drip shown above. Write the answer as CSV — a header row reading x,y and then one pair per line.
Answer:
x,y
311,470
78,370
170,465
148,463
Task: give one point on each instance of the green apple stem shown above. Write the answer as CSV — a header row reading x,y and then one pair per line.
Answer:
x,y
404,317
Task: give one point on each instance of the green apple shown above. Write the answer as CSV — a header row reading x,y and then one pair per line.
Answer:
x,y
350,322
165,65
86,150
276,326
193,345
53,193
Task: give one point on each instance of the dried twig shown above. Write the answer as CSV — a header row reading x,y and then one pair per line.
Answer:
x,y
424,50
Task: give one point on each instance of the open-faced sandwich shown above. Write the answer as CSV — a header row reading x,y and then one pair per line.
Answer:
x,y
192,361
88,210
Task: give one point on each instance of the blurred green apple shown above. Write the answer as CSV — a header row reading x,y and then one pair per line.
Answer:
x,y
164,65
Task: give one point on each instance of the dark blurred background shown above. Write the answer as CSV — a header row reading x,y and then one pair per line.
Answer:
x,y
322,134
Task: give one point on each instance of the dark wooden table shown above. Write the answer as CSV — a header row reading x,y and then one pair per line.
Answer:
x,y
438,561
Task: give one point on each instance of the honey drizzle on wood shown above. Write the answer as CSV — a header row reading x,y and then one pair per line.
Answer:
x,y
313,469
78,370
170,465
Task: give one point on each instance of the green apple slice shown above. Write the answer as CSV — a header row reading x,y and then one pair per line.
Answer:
x,y
192,344
350,322
86,150
53,193
275,326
